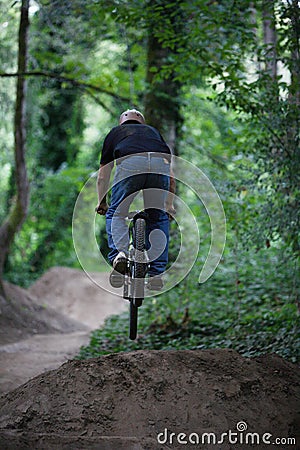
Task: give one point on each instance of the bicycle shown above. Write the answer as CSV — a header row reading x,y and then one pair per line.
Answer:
x,y
133,280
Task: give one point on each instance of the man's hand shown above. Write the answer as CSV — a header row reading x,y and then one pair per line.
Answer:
x,y
101,208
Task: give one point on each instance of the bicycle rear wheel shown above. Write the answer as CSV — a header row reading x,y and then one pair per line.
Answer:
x,y
139,261
138,274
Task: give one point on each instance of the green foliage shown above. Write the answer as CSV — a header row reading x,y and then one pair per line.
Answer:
x,y
250,302
46,237
243,133
222,42
56,107
253,314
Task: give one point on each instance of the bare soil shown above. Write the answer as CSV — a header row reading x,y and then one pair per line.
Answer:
x,y
143,400
22,316
44,326
126,400
72,293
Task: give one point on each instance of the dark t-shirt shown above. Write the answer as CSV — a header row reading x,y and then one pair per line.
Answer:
x,y
130,138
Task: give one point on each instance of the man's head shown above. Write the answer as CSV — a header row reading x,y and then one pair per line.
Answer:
x,y
132,115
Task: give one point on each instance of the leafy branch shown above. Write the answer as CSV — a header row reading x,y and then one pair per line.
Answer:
x,y
66,79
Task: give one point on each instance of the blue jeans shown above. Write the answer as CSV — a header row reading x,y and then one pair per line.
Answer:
x,y
149,174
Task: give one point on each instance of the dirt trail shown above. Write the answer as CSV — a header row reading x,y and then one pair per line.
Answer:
x,y
43,327
27,358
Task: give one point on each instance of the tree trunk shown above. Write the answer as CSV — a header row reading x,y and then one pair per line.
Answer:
x,y
162,106
270,38
294,91
18,213
162,101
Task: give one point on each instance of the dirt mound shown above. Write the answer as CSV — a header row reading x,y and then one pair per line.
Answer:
x,y
71,292
44,326
137,400
21,316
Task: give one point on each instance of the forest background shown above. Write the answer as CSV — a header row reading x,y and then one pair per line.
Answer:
x,y
221,80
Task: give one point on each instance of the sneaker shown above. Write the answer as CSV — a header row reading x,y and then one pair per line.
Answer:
x,y
116,279
120,263
155,283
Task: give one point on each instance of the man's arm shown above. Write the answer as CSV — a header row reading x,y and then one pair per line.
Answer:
x,y
102,187
170,209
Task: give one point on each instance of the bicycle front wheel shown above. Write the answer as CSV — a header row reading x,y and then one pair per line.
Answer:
x,y
133,321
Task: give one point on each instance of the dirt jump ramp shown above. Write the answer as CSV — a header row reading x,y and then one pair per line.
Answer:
x,y
148,400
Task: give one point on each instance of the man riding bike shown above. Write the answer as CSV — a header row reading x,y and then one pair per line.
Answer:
x,y
143,164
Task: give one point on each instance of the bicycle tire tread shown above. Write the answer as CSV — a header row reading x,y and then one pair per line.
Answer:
x,y
139,264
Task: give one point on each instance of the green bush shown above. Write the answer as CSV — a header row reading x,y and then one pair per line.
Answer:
x,y
253,314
